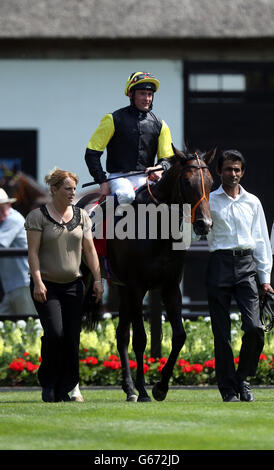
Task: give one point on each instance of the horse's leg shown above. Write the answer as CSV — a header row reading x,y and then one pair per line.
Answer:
x,y
172,299
123,337
75,394
139,341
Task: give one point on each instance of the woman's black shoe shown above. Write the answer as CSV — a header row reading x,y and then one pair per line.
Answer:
x,y
230,397
48,394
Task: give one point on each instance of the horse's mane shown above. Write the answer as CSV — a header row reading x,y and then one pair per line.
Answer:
x,y
189,153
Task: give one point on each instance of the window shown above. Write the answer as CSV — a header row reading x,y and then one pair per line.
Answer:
x,y
217,82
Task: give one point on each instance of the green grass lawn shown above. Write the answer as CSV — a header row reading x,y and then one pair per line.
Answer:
x,y
187,420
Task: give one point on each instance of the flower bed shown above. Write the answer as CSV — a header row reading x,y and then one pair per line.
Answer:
x,y
100,364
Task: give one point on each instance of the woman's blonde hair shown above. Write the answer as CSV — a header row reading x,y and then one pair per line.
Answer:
x,y
56,177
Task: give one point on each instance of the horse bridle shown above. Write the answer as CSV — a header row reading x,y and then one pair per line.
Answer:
x,y
198,167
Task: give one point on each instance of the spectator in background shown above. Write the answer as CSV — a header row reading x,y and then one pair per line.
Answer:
x,y
14,271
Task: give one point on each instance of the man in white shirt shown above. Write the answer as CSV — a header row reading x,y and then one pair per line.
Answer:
x,y
240,259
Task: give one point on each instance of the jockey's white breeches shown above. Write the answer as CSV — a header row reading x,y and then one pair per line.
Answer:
x,y
125,187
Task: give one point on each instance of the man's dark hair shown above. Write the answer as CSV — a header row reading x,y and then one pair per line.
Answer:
x,y
233,155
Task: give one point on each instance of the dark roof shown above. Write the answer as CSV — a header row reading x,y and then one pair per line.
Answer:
x,y
121,19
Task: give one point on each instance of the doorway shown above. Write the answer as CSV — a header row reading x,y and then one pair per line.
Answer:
x,y
231,105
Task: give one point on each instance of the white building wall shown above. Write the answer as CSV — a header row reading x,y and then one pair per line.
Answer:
x,y
64,101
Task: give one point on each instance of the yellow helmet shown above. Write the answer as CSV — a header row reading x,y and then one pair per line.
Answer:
x,y
141,80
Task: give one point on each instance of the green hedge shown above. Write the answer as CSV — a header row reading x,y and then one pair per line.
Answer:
x,y
20,344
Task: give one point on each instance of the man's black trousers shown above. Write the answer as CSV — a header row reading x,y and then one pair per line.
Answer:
x,y
234,276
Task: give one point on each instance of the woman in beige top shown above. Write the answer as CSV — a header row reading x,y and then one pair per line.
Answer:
x,y
57,233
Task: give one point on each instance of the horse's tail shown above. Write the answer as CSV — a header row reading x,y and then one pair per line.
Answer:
x,y
91,308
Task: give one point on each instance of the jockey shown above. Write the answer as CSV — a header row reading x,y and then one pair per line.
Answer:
x,y
133,136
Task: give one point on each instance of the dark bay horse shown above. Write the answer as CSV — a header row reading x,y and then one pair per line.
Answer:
x,y
145,264
28,193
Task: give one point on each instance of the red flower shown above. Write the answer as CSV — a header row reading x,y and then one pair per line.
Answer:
x,y
186,369
115,365
163,360
132,364
112,364
17,364
197,368
146,368
26,354
263,357
236,360
113,358
91,360
31,367
20,364
85,350
210,363
151,360
182,363
160,367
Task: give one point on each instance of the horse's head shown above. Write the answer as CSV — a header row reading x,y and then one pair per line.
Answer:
x,y
195,182
27,192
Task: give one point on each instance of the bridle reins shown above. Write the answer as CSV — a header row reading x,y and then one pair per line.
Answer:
x,y
150,192
194,208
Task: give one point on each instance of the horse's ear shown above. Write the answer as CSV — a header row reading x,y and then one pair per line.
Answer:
x,y
209,156
179,153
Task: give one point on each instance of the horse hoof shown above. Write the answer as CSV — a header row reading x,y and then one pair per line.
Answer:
x,y
144,399
132,398
157,393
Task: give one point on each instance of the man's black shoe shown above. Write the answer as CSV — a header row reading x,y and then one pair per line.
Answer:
x,y
48,394
245,392
230,397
